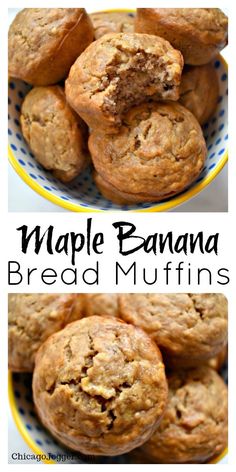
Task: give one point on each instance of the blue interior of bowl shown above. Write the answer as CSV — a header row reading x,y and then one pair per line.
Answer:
x,y
82,191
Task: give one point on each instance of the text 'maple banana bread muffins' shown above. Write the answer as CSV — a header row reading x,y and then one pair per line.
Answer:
x,y
159,151
99,386
112,22
32,318
199,91
199,33
119,71
194,427
188,328
55,133
43,43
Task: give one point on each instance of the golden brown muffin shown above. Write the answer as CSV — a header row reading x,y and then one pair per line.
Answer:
x,y
55,134
199,33
119,71
188,328
99,386
32,318
195,424
116,196
101,304
158,152
112,22
43,43
199,91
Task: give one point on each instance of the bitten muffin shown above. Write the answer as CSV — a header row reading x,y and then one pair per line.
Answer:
x,y
101,304
99,386
119,71
195,424
32,318
43,43
158,152
116,196
188,328
199,33
199,91
55,134
112,22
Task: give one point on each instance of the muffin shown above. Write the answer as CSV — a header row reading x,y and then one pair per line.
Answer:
x,y
199,33
119,71
101,304
219,360
159,151
43,43
116,196
99,386
112,22
195,424
32,318
188,328
199,91
55,134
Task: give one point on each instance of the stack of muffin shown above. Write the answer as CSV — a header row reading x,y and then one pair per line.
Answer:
x,y
127,373
127,102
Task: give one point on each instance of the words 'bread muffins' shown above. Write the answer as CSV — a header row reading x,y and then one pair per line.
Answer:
x,y
55,134
199,33
43,43
119,71
99,386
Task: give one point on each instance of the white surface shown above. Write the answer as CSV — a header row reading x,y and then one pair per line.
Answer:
x,y
212,199
16,444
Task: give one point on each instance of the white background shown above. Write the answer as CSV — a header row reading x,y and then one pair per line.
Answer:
x,y
178,222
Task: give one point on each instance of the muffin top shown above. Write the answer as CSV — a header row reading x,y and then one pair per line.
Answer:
x,y
32,318
159,150
112,22
188,327
56,135
99,385
38,36
194,425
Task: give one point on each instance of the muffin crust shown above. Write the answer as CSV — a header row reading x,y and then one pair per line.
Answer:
x,y
195,424
112,22
99,386
158,152
55,134
199,91
43,43
199,33
119,71
32,318
189,328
